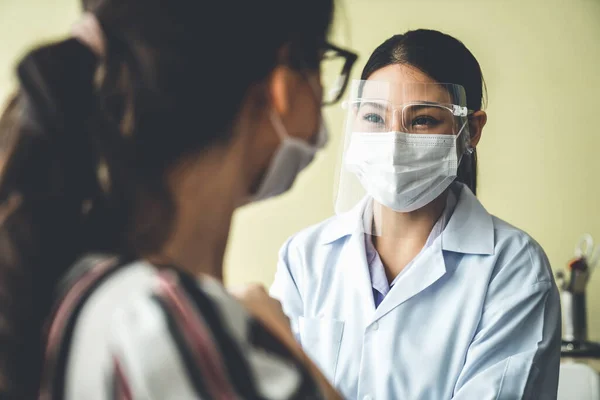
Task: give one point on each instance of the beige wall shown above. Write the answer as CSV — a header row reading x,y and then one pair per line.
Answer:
x,y
27,22
539,156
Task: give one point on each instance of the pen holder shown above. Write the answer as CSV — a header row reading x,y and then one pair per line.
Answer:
x,y
574,316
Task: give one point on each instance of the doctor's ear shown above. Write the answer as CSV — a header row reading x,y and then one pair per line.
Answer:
x,y
477,121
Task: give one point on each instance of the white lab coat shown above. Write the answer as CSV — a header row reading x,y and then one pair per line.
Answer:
x,y
476,317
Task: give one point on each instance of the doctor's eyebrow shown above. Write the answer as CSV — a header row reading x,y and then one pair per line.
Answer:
x,y
423,106
380,105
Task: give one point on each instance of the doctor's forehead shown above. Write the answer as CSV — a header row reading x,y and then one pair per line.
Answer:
x,y
400,84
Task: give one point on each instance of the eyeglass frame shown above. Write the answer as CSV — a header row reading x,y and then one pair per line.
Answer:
x,y
344,78
454,109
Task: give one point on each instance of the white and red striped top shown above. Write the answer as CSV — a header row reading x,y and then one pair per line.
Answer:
x,y
137,332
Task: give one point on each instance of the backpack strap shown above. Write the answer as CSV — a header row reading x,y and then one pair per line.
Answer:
x,y
89,274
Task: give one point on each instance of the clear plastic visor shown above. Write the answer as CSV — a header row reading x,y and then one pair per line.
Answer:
x,y
427,108
399,140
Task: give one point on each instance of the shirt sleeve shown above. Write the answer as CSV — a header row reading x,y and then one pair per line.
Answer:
x,y
515,353
285,288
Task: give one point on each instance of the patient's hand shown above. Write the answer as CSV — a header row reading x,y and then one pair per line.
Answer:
x,y
268,310
257,301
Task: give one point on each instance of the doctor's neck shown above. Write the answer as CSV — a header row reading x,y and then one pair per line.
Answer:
x,y
402,236
409,225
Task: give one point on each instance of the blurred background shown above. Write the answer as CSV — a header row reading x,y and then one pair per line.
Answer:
x,y
539,155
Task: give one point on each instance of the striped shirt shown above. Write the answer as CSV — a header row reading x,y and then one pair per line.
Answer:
x,y
137,332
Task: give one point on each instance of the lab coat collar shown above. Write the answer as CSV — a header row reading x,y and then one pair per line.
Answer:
x,y
470,229
347,223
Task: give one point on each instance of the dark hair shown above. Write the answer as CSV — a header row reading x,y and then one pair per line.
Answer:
x,y
444,59
93,139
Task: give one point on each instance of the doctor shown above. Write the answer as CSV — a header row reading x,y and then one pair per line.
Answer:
x,y
413,290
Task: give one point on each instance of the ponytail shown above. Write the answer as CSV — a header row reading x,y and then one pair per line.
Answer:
x,y
48,176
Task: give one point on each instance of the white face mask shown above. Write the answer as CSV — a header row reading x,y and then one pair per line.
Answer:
x,y
404,171
290,158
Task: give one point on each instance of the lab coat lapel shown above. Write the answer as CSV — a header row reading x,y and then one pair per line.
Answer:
x,y
427,269
349,228
356,275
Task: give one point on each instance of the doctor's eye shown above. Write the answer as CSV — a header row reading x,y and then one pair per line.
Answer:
x,y
374,119
425,121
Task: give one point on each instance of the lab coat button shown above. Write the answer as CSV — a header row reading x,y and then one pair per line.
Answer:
x,y
375,327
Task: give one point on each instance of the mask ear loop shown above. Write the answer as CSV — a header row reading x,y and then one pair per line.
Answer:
x,y
322,137
278,125
322,134
469,149
465,148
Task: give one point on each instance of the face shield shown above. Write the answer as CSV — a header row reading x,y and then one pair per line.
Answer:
x,y
401,148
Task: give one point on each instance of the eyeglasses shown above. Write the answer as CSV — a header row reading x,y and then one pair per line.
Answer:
x,y
336,65
424,117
